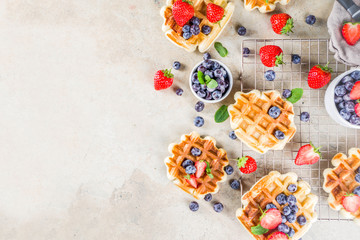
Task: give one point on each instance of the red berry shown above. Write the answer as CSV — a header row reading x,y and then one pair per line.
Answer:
x,y
192,181
271,219
357,108
307,155
282,23
355,91
200,168
351,32
163,79
247,164
278,236
351,202
182,11
214,13
271,55
319,76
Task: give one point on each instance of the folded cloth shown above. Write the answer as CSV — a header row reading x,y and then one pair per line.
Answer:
x,y
344,53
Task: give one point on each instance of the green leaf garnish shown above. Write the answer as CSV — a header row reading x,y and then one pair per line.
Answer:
x,y
316,150
242,161
187,177
212,84
288,27
201,77
207,79
208,170
296,95
259,230
221,49
221,114
279,60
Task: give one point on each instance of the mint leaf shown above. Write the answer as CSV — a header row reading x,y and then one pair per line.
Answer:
x,y
207,79
221,49
259,230
187,177
296,95
212,84
201,77
221,114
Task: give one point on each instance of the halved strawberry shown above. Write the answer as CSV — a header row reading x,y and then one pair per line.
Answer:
x,y
357,108
200,168
278,236
351,32
307,155
271,219
351,202
355,91
191,180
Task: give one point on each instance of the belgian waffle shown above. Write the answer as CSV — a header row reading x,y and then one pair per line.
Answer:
x,y
265,191
340,180
253,125
217,158
174,32
263,5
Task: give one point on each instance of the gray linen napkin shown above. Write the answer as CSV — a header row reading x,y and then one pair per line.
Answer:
x,y
344,53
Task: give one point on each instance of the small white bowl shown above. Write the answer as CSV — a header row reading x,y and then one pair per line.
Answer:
x,y
229,87
330,104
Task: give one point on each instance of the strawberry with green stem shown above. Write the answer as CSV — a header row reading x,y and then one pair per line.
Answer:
x,y
246,164
351,202
271,55
163,79
182,11
214,13
308,155
282,23
319,76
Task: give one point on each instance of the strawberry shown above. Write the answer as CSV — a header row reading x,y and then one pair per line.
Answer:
x,y
351,32
355,91
191,180
357,108
282,23
278,236
319,76
247,164
182,11
351,202
200,168
307,155
214,13
271,219
271,55
163,79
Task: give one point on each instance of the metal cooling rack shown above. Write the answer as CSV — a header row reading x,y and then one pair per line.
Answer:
x,y
321,130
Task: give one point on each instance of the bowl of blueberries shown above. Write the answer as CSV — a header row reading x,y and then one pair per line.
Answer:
x,y
210,80
341,99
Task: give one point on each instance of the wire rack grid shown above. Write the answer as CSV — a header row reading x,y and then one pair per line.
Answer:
x,y
321,130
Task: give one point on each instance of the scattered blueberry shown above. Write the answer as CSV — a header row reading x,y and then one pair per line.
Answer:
x,y
279,135
208,197
195,30
291,232
235,184
179,92
355,119
305,116
195,151
198,121
206,56
229,169
301,220
218,207
344,114
246,52
355,75
291,199
346,79
216,95
349,85
194,206
199,106
311,19
232,135
286,210
187,162
241,31
357,191
206,29
294,209
176,65
269,75
195,20
292,188
340,90
187,35
338,99
281,199
283,219
296,59
186,28
287,93
274,112
347,97
291,218
283,228
357,177
191,169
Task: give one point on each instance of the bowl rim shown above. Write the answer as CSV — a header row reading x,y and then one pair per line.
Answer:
x,y
230,82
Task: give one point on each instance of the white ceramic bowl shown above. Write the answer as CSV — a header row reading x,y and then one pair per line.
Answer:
x,y
330,104
225,94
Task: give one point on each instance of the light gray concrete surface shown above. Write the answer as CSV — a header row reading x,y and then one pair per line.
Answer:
x,y
83,133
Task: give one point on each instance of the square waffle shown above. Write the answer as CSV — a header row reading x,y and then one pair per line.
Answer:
x,y
265,191
340,180
252,124
263,5
217,158
174,32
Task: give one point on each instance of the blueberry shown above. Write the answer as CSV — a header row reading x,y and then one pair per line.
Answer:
x,y
346,97
357,191
218,207
198,121
187,35
294,209
201,93
346,79
196,87
287,93
194,206
195,30
291,218
206,29
357,177
221,89
296,59
274,112
216,95
195,151
235,184
210,90
194,77
301,220
341,105
286,210
344,114
208,95
179,92
305,116
206,56
224,72
354,119
176,65
186,28
187,162
218,73
338,100
291,232
191,169
291,199
279,135
269,75
216,65
311,19
292,188
208,197
201,68
246,52
241,31
229,169
358,170
208,64
195,20
199,106
349,85
350,107
283,228
270,206
281,199
209,73
283,219
340,90
232,135
355,75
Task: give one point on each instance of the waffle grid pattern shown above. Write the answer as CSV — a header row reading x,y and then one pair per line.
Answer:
x,y
263,5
